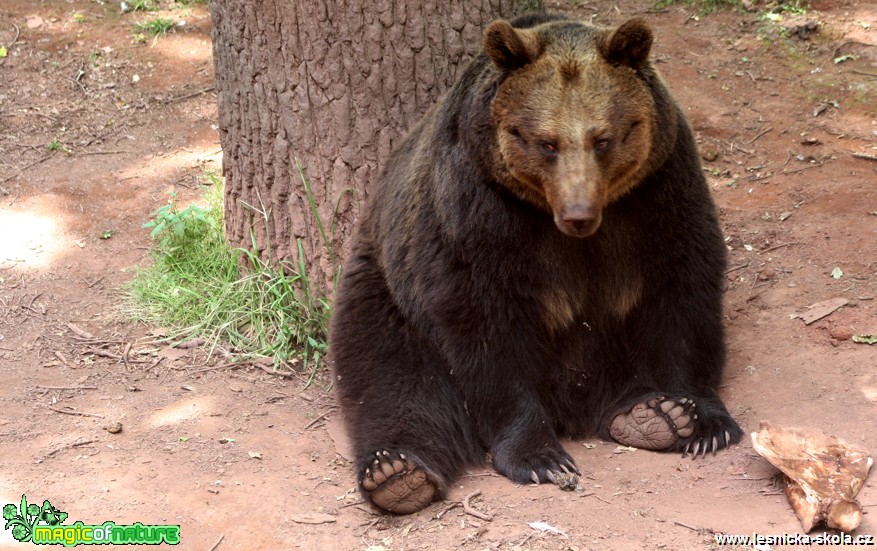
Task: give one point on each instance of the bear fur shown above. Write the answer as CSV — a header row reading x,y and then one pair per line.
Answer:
x,y
540,258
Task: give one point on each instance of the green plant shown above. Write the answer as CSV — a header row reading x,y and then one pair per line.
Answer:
x,y
199,286
56,145
792,7
317,307
139,5
705,6
174,229
328,241
155,27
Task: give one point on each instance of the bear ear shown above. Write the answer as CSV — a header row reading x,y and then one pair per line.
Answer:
x,y
510,48
629,44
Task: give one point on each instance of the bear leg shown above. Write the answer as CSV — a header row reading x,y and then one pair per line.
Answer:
x,y
529,451
407,422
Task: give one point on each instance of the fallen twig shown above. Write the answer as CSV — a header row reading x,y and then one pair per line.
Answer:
x,y
65,447
756,478
441,513
80,332
215,545
103,353
837,50
270,369
83,153
14,40
61,357
682,524
370,524
192,95
232,365
318,419
775,247
735,268
760,134
80,413
802,169
354,504
525,540
67,387
125,356
153,364
192,343
865,156
735,146
99,341
17,35
31,165
475,513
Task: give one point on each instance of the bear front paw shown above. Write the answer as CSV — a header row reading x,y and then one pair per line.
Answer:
x,y
547,464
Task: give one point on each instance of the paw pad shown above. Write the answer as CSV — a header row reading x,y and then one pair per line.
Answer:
x,y
656,424
395,483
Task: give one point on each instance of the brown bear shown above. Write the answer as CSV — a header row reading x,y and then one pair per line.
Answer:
x,y
540,258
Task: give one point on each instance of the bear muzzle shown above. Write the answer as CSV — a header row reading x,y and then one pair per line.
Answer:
x,y
578,220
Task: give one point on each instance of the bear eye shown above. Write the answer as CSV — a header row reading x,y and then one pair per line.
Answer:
x,y
602,144
549,148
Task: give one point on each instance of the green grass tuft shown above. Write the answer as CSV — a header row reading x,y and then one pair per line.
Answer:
x,y
155,27
768,11
705,6
139,5
198,286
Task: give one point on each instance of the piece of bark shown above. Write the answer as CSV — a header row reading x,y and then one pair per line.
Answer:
x,y
821,309
822,474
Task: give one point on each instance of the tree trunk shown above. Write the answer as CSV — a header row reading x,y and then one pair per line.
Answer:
x,y
313,95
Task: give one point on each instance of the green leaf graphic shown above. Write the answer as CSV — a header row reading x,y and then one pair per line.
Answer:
x,y
22,527
50,515
26,517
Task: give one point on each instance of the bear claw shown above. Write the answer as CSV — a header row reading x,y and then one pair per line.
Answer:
x,y
397,484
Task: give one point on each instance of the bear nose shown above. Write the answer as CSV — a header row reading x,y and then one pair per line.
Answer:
x,y
579,221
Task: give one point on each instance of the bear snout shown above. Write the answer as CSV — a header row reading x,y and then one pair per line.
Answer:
x,y
578,220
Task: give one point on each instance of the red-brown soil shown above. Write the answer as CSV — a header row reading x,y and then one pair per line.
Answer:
x,y
778,122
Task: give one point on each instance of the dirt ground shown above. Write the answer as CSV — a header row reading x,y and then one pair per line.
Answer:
x,y
246,460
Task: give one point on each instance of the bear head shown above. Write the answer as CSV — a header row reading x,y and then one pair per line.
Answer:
x,y
575,119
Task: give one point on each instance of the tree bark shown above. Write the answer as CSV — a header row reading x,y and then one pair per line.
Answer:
x,y
313,95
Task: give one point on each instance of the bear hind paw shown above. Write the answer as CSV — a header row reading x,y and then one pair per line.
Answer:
x,y
656,424
395,483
